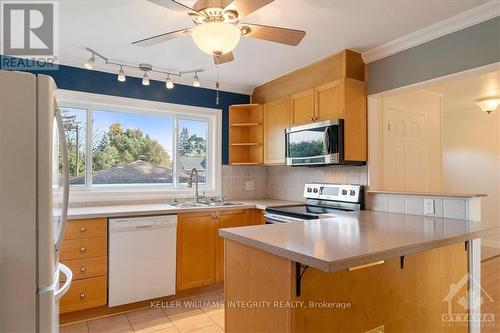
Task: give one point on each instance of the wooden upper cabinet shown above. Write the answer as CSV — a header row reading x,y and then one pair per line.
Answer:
x,y
195,249
330,100
302,107
276,120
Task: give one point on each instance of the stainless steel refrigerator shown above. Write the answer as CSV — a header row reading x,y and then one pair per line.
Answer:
x,y
33,203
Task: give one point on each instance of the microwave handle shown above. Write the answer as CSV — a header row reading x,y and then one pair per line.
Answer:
x,y
326,140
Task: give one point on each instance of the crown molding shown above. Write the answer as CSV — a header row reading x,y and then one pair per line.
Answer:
x,y
461,21
187,80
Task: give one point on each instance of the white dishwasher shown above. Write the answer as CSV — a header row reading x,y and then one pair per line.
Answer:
x,y
142,256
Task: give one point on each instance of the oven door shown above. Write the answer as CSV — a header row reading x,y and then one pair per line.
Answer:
x,y
315,144
275,218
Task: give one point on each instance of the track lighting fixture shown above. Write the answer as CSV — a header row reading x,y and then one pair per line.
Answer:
x,y
89,64
121,75
169,84
196,82
144,68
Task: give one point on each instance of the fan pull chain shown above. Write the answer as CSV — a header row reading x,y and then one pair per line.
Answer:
x,y
217,81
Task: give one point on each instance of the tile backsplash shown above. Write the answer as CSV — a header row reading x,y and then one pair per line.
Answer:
x,y
284,183
244,182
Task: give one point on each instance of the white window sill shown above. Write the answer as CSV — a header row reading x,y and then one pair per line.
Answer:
x,y
131,196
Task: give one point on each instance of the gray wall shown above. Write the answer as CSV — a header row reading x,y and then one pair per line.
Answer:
x,y
471,47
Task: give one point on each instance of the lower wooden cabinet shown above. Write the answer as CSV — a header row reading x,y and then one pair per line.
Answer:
x,y
84,294
85,252
227,219
195,249
200,249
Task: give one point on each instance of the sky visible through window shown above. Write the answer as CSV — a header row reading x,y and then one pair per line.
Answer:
x,y
155,126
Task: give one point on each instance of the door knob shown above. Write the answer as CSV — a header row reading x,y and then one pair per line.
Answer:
x,y
83,229
82,250
83,269
82,296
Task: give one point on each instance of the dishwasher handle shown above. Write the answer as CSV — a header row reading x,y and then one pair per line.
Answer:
x,y
142,223
144,226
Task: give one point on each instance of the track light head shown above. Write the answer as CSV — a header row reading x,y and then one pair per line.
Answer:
x,y
169,84
89,64
196,82
121,75
145,79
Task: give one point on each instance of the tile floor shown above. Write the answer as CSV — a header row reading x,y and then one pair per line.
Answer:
x,y
201,314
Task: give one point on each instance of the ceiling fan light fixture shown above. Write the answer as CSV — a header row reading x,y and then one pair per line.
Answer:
x,y
489,105
121,75
145,79
216,37
169,84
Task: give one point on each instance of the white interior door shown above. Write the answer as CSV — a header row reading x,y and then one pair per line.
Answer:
x,y
411,142
404,150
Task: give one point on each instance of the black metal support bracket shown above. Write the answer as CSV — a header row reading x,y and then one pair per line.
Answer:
x,y
299,273
402,262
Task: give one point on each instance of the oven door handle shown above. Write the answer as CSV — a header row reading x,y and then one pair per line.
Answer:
x,y
280,218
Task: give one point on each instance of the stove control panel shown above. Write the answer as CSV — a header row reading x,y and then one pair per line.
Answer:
x,y
333,192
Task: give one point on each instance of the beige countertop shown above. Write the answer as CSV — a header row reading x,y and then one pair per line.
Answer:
x,y
430,194
157,209
354,238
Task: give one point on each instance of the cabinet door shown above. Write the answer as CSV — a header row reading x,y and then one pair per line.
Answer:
x,y
195,249
227,219
330,100
276,120
302,107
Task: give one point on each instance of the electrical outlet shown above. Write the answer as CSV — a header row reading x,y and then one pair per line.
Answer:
x,y
249,185
429,207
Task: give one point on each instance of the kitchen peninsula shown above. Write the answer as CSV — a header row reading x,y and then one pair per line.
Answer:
x,y
361,271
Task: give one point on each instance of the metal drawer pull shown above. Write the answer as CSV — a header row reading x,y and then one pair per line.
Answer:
x,y
83,229
355,268
82,250
83,269
82,295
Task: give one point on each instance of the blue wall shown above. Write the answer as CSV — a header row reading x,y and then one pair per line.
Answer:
x,y
78,79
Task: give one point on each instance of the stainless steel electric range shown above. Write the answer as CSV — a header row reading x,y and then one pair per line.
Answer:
x,y
321,200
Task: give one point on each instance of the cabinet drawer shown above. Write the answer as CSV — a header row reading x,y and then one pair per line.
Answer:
x,y
87,268
84,294
87,228
83,248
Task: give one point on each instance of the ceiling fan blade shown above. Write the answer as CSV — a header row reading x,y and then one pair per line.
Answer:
x,y
161,38
174,5
222,59
202,4
273,34
245,7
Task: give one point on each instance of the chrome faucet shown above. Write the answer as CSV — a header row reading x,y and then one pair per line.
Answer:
x,y
190,184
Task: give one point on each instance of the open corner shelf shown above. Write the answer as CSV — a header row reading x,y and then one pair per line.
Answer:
x,y
246,134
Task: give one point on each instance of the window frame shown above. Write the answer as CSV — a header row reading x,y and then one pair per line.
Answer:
x,y
95,102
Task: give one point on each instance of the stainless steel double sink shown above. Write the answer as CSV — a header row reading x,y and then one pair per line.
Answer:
x,y
203,204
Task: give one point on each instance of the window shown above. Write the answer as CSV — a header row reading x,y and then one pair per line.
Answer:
x,y
123,147
75,127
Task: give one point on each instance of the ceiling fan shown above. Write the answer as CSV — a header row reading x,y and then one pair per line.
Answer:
x,y
217,28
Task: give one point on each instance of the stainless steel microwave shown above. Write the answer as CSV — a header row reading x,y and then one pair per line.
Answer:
x,y
318,143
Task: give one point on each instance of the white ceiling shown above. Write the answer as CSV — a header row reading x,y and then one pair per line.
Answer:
x,y
109,27
461,95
